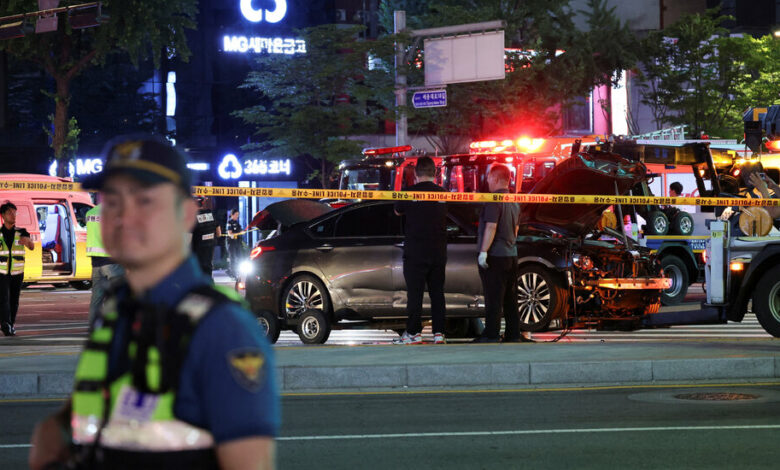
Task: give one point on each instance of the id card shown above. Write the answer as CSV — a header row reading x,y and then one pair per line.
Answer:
x,y
132,405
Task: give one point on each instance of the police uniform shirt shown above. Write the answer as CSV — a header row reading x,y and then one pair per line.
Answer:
x,y
218,389
235,227
204,234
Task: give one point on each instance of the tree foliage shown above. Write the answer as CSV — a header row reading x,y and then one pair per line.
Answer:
x,y
138,28
313,103
551,64
695,74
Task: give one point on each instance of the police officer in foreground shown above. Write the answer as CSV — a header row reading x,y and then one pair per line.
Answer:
x,y
104,269
425,255
497,244
13,241
176,372
205,235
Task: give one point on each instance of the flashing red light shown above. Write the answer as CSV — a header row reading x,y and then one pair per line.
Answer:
x,y
509,159
529,145
704,256
386,150
773,145
483,144
258,250
736,172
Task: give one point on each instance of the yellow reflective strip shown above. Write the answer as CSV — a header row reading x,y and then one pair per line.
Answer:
x,y
102,335
93,365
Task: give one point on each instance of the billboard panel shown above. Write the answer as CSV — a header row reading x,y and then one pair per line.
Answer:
x,y
471,58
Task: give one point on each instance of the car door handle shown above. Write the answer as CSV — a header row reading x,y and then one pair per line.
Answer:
x,y
325,247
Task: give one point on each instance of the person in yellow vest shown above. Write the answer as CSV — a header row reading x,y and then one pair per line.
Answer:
x,y
104,269
13,241
176,372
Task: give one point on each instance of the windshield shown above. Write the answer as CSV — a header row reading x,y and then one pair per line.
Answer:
x,y
366,179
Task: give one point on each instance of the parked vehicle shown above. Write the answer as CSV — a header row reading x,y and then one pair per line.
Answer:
x,y
56,221
344,268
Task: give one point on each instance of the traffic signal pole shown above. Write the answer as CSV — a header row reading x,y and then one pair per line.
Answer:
x,y
401,130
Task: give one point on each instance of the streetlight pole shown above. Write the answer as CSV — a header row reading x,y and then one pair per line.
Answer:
x,y
400,80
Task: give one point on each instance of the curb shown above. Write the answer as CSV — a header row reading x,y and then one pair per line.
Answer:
x,y
411,376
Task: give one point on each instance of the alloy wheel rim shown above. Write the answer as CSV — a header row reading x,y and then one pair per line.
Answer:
x,y
533,298
303,296
774,301
685,225
675,274
264,324
659,225
310,327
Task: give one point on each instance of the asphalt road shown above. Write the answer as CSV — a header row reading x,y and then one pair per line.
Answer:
x,y
637,427
49,316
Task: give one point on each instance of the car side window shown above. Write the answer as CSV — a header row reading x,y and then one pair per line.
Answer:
x,y
367,221
325,228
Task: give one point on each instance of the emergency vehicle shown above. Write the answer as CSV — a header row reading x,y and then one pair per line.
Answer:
x,y
57,224
529,160
739,270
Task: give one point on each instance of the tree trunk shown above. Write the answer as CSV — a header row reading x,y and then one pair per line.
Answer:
x,y
61,124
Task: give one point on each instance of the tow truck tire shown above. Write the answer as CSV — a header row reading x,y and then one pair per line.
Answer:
x,y
675,269
313,327
657,223
766,301
682,224
270,325
540,298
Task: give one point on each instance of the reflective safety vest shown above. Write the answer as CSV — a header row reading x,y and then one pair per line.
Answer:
x,y
128,422
11,257
94,238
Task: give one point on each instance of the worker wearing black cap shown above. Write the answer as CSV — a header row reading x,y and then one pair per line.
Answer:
x,y
176,372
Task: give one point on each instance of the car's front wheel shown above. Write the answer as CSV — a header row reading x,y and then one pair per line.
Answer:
x,y
540,298
766,301
305,292
314,327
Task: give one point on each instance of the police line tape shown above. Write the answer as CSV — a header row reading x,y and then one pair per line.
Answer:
x,y
341,194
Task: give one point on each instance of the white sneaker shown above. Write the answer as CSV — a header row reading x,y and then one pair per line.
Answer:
x,y
416,339
438,338
406,338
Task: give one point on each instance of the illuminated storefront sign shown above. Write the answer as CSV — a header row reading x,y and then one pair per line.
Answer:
x,y
243,43
257,15
259,45
230,168
83,167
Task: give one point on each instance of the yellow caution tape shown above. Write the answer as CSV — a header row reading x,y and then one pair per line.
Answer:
x,y
287,193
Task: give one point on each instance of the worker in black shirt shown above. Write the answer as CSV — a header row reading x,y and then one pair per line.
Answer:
x,y
234,243
205,235
425,255
13,242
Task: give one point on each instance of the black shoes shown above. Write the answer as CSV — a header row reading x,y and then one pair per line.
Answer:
x,y
485,339
8,330
521,339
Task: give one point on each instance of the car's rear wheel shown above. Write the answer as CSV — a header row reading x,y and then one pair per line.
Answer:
x,y
305,292
314,327
540,298
676,270
766,301
269,324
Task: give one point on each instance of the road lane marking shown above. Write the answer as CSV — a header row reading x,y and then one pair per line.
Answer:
x,y
530,390
521,432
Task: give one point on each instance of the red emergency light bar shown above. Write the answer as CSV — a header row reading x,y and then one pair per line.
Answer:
x,y
386,150
523,144
773,145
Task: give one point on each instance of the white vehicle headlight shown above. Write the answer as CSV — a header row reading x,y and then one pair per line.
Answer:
x,y
245,267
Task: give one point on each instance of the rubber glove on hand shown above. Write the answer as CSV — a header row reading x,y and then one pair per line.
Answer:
x,y
482,259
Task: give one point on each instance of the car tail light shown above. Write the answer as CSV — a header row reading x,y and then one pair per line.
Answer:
x,y
258,250
704,257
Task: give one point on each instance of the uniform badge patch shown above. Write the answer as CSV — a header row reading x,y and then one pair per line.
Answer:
x,y
246,365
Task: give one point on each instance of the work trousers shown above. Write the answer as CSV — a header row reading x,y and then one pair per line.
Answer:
x,y
235,252
205,256
419,272
102,277
499,284
10,288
